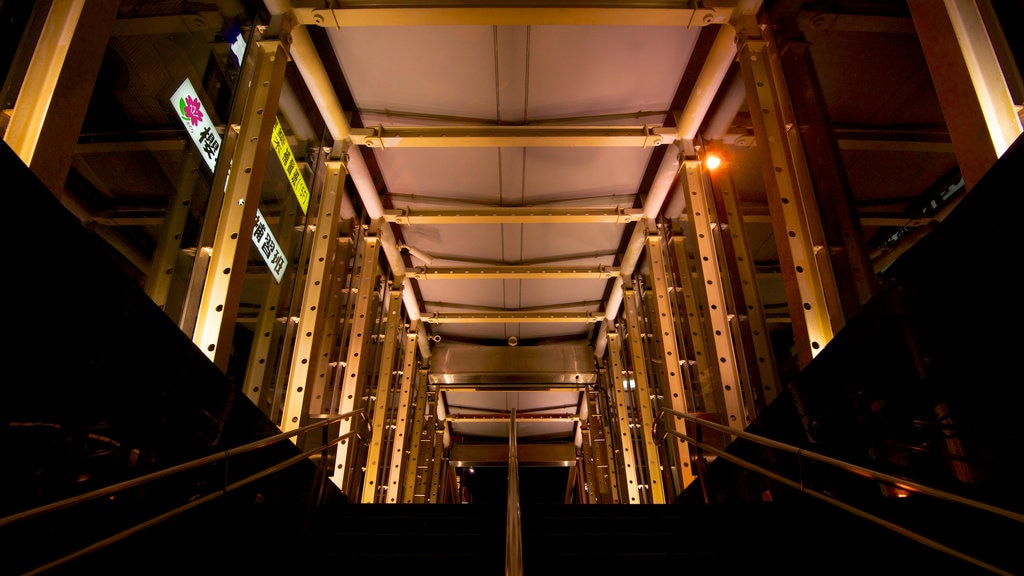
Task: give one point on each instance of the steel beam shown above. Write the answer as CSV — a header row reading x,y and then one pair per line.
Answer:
x,y
168,248
502,317
375,458
402,410
806,267
624,439
461,14
511,136
668,349
223,287
752,317
737,413
511,273
314,312
367,269
413,468
643,396
514,216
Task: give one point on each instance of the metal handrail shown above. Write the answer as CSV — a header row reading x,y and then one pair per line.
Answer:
x,y
513,526
224,455
897,481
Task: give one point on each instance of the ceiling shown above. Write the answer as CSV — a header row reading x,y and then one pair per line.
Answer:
x,y
546,75
512,153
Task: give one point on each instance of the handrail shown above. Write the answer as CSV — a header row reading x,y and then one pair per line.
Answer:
x,y
513,526
170,471
897,481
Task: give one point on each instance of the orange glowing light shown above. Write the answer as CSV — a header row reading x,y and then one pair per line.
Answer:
x,y
712,161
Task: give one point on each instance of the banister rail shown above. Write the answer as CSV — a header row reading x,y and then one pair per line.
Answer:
x,y
226,488
801,485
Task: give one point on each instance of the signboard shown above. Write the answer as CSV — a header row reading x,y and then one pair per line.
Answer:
x,y
268,247
190,109
291,169
197,122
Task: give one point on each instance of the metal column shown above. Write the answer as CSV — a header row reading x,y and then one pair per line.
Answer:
x,y
669,350
625,437
385,373
367,269
737,412
313,313
811,290
413,468
705,378
408,374
751,318
643,394
222,291
165,257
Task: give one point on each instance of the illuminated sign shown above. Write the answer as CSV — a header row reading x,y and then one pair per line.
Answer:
x,y
190,110
291,169
268,247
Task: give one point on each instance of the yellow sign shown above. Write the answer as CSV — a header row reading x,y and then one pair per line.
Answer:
x,y
291,169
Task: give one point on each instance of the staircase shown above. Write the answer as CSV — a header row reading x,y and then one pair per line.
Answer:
x,y
407,539
800,537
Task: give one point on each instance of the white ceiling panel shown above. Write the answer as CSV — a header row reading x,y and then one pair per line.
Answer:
x,y
461,173
591,70
553,174
445,70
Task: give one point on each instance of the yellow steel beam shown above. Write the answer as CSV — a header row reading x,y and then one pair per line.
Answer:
x,y
398,444
668,350
313,313
413,471
509,16
367,268
515,216
521,317
738,409
754,315
635,347
511,273
376,457
223,285
478,418
624,440
511,136
811,289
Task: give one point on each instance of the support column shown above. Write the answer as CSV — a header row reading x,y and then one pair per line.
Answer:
x,y
738,410
625,432
811,290
327,371
218,309
969,82
402,410
587,464
168,248
669,350
313,317
437,466
414,470
643,394
751,319
367,269
58,86
855,277
705,381
375,458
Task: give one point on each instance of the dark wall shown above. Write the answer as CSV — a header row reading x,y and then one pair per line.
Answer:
x,y
923,383
102,387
